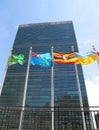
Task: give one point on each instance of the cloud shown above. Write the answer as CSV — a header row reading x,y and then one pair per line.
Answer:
x,y
89,41
92,87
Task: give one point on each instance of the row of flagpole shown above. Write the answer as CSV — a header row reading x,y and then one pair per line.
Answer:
x,y
52,91
52,88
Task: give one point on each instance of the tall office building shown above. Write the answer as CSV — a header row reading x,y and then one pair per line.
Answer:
x,y
41,37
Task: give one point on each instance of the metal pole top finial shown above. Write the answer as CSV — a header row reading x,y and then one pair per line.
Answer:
x,y
30,47
11,49
93,46
72,48
52,47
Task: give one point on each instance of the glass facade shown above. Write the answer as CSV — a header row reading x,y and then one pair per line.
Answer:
x,y
42,36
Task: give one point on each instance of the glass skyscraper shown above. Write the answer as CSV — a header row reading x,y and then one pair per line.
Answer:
x,y
41,37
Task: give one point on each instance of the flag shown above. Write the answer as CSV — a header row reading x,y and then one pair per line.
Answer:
x,y
43,60
15,59
88,58
63,58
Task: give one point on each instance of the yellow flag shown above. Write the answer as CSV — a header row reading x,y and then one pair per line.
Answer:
x,y
88,60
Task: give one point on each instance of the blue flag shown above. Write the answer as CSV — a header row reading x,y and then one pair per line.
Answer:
x,y
43,60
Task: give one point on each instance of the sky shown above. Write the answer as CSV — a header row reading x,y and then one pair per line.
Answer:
x,y
83,13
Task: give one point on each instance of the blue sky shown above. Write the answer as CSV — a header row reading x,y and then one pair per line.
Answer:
x,y
83,13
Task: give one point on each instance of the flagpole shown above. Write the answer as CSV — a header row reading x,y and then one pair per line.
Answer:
x,y
25,89
2,83
80,95
52,90
96,53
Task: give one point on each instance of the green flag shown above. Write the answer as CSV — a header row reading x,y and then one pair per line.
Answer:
x,y
16,59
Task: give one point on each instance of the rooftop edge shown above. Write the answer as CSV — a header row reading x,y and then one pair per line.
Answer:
x,y
45,23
